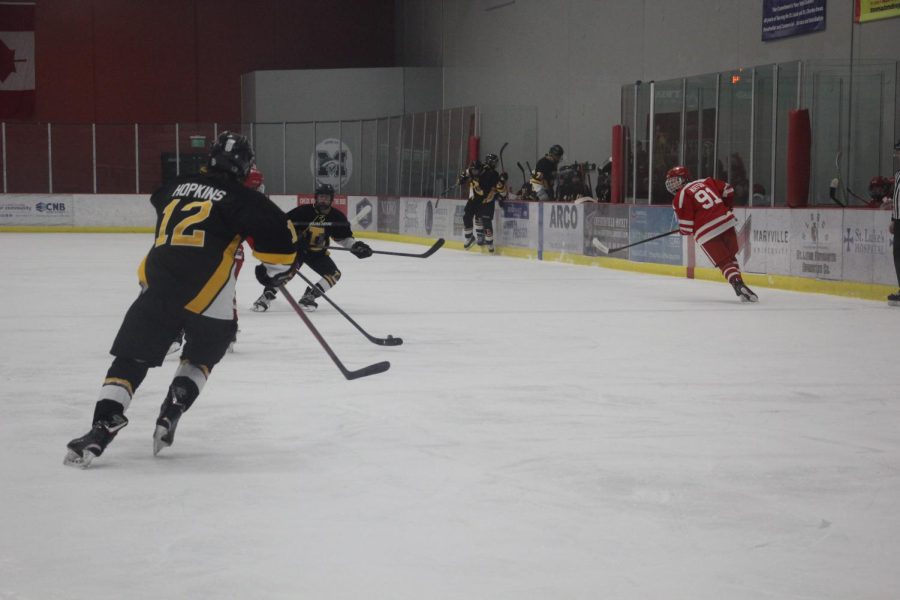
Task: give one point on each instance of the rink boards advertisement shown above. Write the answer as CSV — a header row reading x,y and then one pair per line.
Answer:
x,y
563,227
517,224
815,244
764,236
832,244
37,210
609,224
867,247
648,221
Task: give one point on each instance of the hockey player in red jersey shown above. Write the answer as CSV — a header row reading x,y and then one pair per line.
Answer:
x,y
704,210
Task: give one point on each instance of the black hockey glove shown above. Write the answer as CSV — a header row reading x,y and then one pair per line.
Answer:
x,y
360,249
262,276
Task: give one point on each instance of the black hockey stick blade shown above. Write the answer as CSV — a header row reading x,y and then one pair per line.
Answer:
x,y
373,369
434,248
388,341
502,148
602,247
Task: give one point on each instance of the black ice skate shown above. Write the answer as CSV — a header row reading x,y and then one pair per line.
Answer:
x,y
264,301
169,414
742,291
894,299
85,449
308,301
490,247
470,241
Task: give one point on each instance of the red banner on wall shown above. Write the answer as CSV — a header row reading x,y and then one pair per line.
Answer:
x,y
16,60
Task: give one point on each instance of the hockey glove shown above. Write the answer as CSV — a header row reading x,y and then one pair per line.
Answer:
x,y
504,176
360,249
272,279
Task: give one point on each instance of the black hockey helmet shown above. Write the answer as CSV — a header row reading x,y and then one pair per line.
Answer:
x,y
557,151
491,161
324,196
231,153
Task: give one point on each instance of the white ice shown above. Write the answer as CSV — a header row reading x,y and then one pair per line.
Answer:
x,y
546,431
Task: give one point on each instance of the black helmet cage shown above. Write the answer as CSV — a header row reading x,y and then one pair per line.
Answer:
x,y
324,189
231,153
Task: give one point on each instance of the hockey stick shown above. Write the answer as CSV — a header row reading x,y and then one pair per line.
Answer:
x,y
388,341
832,192
434,248
603,248
439,196
858,197
502,148
372,369
524,179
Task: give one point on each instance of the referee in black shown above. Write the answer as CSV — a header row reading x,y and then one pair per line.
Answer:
x,y
894,299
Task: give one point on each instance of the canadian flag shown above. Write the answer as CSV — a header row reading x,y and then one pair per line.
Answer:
x,y
16,60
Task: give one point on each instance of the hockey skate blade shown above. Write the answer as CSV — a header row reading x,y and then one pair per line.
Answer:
x,y
79,462
158,442
600,246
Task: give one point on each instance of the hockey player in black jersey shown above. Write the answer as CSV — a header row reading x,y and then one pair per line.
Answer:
x,y
187,283
544,176
485,187
318,224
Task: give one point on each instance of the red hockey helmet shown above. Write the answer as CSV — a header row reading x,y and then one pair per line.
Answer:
x,y
676,177
879,187
254,180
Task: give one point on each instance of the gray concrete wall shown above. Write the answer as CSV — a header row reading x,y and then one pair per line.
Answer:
x,y
338,94
569,58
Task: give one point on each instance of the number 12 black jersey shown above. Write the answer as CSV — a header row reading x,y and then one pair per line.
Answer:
x,y
201,221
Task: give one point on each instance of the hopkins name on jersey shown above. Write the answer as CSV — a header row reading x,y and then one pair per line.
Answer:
x,y
703,208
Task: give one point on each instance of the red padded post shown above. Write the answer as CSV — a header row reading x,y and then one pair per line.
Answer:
x,y
798,158
618,164
474,146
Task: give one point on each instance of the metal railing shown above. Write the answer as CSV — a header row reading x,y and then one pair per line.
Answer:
x,y
409,155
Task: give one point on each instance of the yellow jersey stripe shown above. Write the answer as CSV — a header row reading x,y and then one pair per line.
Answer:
x,y
218,280
120,382
275,259
142,272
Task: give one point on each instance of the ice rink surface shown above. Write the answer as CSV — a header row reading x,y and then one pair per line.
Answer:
x,y
546,431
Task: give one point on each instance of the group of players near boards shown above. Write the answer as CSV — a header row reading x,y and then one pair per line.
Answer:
x,y
187,279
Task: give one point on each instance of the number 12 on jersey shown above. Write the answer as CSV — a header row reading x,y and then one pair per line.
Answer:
x,y
199,213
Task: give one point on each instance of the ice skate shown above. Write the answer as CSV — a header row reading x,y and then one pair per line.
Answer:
x,y
233,341
894,299
490,247
308,301
264,301
470,241
169,414
743,292
82,451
